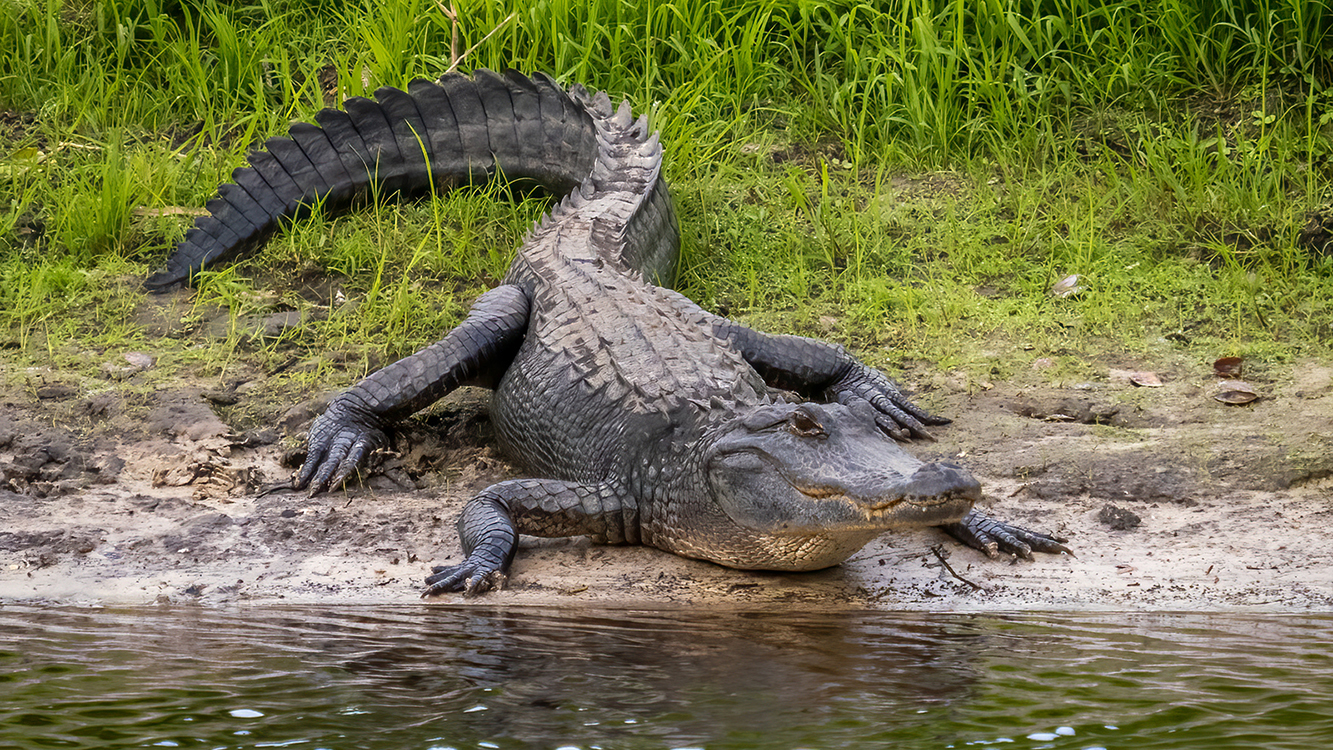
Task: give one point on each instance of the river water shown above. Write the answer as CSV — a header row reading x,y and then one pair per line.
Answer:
x,y
491,677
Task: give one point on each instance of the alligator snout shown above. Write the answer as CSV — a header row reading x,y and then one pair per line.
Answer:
x,y
935,482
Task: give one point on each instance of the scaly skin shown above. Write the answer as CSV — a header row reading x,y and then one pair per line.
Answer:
x,y
647,419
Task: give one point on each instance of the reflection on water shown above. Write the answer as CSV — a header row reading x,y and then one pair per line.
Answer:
x,y
436,677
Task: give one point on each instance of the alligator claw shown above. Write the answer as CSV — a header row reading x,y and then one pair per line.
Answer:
x,y
467,577
340,439
902,434
991,537
896,415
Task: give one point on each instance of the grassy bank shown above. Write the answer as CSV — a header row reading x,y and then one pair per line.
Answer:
x,y
908,177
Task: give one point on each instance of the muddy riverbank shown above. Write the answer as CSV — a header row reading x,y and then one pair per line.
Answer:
x,y
116,494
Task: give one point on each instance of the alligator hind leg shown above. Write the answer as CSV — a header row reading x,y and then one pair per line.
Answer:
x,y
490,524
991,536
489,538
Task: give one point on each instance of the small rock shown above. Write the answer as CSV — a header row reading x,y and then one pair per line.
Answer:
x,y
1084,411
185,417
101,406
55,391
220,397
210,520
1119,518
129,364
108,468
247,386
139,360
277,324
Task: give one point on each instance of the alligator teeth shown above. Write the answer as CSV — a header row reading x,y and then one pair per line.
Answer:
x,y
884,504
819,493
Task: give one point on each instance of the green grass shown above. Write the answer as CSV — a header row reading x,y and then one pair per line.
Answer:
x,y
910,177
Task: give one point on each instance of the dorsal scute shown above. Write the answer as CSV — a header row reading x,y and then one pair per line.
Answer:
x,y
625,175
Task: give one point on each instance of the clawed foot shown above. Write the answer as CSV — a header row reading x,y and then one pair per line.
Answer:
x,y
469,577
896,415
339,441
992,537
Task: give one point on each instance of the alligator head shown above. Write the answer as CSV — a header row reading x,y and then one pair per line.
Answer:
x,y
827,469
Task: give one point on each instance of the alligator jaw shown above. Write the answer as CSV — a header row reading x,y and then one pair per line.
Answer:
x,y
935,493
875,505
922,503
893,511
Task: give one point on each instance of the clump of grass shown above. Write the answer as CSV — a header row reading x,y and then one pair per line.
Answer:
x,y
913,173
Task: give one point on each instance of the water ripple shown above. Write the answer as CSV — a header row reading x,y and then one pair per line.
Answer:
x,y
431,676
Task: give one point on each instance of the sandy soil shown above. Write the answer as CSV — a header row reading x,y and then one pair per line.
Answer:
x,y
112,492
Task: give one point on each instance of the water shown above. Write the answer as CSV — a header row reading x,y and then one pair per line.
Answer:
x,y
437,677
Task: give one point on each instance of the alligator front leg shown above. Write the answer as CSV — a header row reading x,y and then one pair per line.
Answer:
x,y
991,536
490,524
819,369
476,352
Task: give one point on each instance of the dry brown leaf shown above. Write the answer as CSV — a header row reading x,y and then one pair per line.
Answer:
x,y
1146,379
1235,392
1228,367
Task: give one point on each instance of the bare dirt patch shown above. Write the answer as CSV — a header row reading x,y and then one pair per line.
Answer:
x,y
1171,500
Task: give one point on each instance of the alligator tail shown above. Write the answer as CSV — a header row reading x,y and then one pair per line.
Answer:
x,y
434,136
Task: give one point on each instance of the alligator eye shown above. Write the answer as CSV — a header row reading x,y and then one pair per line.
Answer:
x,y
803,424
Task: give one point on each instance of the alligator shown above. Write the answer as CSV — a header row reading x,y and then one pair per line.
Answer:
x,y
643,417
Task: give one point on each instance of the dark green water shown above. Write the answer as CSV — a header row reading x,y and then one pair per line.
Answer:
x,y
437,677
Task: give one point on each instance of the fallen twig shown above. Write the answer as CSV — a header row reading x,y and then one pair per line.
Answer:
x,y
939,555
451,13
474,47
286,486
168,211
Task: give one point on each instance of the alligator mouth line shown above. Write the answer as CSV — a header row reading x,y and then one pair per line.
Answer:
x,y
880,504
